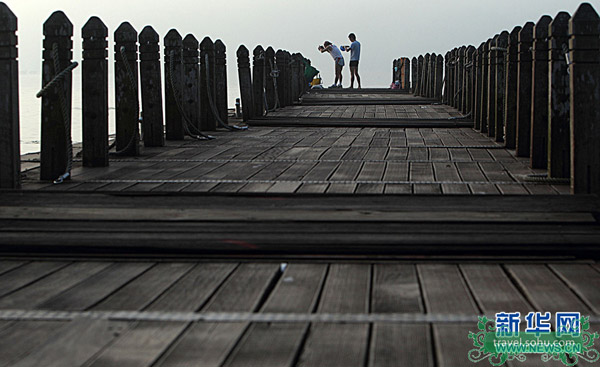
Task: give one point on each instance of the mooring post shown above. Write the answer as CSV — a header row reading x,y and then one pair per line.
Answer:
x,y
477,86
173,85
450,78
258,80
280,61
524,90
510,92
406,73
243,61
10,152
432,66
484,86
420,60
191,86
446,72
460,79
559,108
269,81
500,90
56,101
455,77
584,72
127,90
150,82
288,78
464,81
221,80
426,78
301,78
539,95
94,93
491,107
295,75
471,51
439,76
207,84
414,75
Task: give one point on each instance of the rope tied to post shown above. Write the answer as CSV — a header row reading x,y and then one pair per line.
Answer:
x,y
211,101
177,97
133,87
55,84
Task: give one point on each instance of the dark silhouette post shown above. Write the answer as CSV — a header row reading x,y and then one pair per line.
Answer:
x,y
173,85
152,106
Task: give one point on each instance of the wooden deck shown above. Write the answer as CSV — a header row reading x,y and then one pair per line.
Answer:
x,y
144,313
360,228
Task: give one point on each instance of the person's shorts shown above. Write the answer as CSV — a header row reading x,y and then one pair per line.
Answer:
x,y
353,63
339,61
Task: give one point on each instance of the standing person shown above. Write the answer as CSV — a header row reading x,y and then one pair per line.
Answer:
x,y
338,59
354,50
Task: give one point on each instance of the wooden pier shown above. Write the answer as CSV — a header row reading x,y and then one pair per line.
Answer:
x,y
343,227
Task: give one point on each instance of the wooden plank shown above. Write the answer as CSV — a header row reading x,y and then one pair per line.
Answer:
x,y
74,345
333,345
452,344
444,290
21,338
583,280
95,288
51,285
401,345
427,189
346,289
395,289
6,266
140,292
502,297
27,274
545,291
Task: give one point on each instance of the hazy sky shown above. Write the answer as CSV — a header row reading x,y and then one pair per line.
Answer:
x,y
387,29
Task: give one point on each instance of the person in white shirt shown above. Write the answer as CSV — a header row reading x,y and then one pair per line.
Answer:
x,y
354,50
338,59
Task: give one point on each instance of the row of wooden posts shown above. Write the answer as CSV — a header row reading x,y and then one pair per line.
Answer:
x,y
195,91
536,89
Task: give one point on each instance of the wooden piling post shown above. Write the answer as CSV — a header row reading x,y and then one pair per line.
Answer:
x,y
302,84
450,78
258,80
127,90
446,78
426,76
584,73
539,95
500,90
245,79
173,85
221,80
491,107
456,78
56,132
10,152
414,75
295,75
559,108
477,82
510,93
460,78
208,121
269,84
420,61
94,93
406,73
524,90
282,85
484,86
439,77
150,82
192,88
470,80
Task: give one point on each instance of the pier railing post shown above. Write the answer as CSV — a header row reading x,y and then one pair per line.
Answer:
x,y
56,117
94,93
584,72
470,80
127,90
450,77
301,79
150,82
425,84
460,79
491,107
439,76
420,60
10,152
269,84
446,78
281,82
485,70
414,75
191,85
524,90
500,90
207,82
287,76
510,93
173,119
406,74
431,75
245,79
295,76
559,108
258,80
477,82
539,95
221,80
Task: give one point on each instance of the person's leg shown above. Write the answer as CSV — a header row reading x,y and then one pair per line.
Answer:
x,y
338,73
357,76
352,72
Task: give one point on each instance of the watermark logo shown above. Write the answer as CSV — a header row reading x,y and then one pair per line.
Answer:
x,y
502,340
